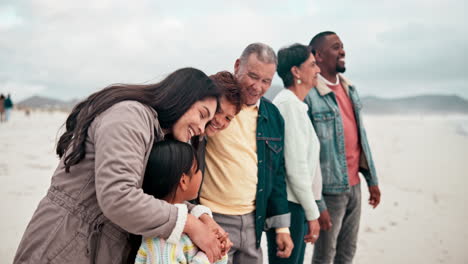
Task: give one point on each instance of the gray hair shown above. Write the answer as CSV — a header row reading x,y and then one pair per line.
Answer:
x,y
264,53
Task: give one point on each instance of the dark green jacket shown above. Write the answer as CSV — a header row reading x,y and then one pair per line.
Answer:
x,y
271,200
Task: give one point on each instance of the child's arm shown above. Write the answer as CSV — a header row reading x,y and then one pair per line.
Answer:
x,y
205,215
143,256
200,210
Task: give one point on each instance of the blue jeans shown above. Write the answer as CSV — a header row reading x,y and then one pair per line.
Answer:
x,y
340,242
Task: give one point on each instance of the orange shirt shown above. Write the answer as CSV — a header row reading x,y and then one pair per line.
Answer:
x,y
351,135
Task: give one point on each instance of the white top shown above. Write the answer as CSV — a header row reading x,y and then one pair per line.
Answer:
x,y
301,154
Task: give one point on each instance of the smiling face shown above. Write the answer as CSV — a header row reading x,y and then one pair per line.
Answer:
x,y
254,77
332,55
222,118
308,71
193,122
193,183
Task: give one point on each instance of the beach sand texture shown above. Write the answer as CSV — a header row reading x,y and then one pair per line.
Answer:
x,y
421,163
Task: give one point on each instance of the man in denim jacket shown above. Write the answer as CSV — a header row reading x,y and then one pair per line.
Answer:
x,y
335,112
244,181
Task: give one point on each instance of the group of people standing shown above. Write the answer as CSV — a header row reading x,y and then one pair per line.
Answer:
x,y
133,155
6,105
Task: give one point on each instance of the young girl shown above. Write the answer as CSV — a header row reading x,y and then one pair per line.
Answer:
x,y
172,175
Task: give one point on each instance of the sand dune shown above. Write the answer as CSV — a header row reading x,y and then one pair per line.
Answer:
x,y
421,163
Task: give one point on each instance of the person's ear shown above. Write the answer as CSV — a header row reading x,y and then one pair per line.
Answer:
x,y
296,72
184,182
318,56
237,66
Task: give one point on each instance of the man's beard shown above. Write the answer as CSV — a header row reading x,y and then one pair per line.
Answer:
x,y
340,69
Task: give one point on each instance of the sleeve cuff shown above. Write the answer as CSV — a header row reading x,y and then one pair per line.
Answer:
x,y
282,230
321,205
313,213
198,210
278,221
182,211
372,182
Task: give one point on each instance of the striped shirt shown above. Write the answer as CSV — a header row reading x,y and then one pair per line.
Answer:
x,y
157,250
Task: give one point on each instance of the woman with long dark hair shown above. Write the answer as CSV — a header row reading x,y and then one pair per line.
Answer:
x,y
95,199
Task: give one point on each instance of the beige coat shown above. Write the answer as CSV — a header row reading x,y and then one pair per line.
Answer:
x,y
87,213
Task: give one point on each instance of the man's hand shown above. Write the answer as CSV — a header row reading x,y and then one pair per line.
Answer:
x,y
223,236
374,198
325,221
205,238
314,230
285,245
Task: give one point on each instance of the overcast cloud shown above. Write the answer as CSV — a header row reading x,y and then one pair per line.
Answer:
x,y
68,49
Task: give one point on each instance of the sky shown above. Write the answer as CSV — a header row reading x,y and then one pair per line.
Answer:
x,y
70,49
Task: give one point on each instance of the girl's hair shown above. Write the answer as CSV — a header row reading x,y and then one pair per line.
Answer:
x,y
167,162
171,98
229,88
289,57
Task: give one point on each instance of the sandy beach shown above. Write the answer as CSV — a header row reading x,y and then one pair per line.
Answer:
x,y
421,164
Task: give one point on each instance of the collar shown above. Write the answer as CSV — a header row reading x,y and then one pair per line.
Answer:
x,y
327,82
261,110
287,95
323,89
257,104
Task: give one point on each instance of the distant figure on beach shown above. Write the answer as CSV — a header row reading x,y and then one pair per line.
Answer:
x,y
95,199
298,70
173,175
8,104
2,108
244,181
335,112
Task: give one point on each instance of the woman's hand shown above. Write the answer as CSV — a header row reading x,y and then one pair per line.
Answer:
x,y
223,236
208,242
314,231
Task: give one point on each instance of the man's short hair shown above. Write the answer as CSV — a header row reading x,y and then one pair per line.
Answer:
x,y
229,87
317,40
264,53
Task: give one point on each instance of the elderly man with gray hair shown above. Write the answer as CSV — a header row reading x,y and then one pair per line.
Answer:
x,y
244,180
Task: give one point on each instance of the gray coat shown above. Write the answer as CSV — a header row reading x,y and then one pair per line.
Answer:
x,y
86,214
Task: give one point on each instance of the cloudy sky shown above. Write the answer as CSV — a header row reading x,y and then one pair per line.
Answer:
x,y
68,49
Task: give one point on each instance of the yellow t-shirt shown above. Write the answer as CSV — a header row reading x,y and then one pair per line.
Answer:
x,y
230,180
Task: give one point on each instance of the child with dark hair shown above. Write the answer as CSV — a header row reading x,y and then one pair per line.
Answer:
x,y
172,175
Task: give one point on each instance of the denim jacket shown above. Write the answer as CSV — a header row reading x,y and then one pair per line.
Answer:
x,y
271,201
271,204
326,119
